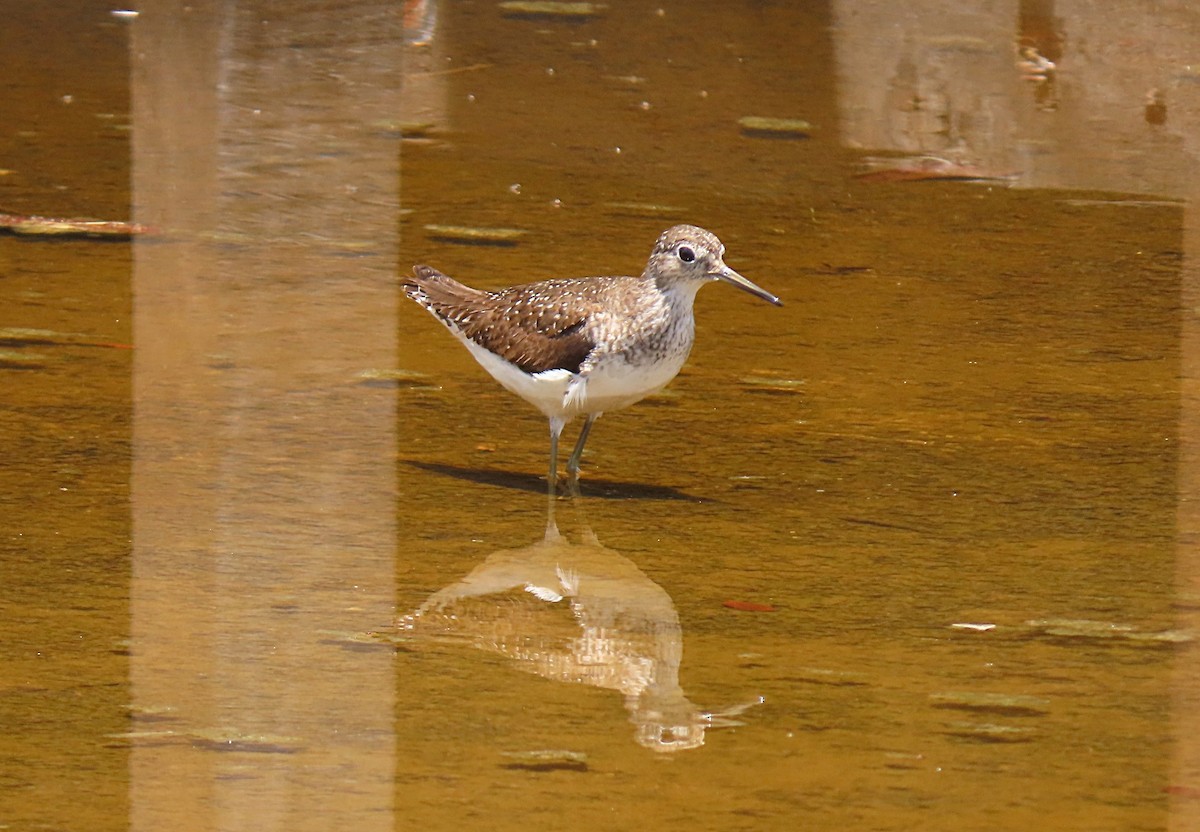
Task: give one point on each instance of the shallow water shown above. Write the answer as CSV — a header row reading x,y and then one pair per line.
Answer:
x,y
279,554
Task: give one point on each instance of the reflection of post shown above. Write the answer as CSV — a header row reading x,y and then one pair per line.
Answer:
x,y
1185,777
1052,95
263,478
424,85
935,84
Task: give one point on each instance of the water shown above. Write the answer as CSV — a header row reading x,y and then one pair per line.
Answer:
x,y
948,484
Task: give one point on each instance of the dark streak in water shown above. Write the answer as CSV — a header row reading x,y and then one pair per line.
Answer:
x,y
521,481
879,524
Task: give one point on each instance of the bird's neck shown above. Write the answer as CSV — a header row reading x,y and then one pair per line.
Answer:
x,y
679,294
678,299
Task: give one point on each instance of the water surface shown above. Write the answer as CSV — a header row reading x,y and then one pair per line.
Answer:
x,y
278,553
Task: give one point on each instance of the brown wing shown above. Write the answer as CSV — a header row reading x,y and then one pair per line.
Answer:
x,y
537,327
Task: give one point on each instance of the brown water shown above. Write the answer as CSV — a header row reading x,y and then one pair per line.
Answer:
x,y
286,562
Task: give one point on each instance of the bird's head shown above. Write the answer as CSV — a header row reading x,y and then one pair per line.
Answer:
x,y
687,257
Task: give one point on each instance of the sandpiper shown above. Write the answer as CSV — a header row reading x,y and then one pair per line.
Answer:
x,y
586,345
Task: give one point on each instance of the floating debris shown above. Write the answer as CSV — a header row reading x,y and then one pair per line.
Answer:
x,y
843,268
145,739
904,761
748,606
392,375
989,732
14,357
40,336
154,713
967,44
1164,637
216,739
627,80
774,384
1188,600
1124,203
1080,627
35,226
994,703
534,8
22,336
363,640
547,760
475,236
831,678
405,129
437,73
1083,628
924,168
212,739
979,628
407,379
645,209
780,128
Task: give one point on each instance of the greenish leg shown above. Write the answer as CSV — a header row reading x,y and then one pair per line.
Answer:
x,y
577,454
556,426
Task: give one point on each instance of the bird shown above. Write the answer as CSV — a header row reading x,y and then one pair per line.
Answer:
x,y
585,346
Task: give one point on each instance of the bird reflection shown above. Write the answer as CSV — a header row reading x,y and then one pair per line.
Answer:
x,y
579,612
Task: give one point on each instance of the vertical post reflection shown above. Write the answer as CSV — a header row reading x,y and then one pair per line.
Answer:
x,y
263,478
1182,135
1185,777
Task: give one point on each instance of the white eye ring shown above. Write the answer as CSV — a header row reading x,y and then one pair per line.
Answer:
x,y
686,254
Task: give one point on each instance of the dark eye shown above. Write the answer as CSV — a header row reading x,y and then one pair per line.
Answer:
x,y
686,254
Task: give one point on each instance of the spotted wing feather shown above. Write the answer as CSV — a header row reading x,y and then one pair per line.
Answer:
x,y
536,327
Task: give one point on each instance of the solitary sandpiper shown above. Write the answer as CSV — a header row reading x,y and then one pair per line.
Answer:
x,y
586,345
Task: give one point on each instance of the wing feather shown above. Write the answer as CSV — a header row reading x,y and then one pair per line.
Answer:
x,y
537,327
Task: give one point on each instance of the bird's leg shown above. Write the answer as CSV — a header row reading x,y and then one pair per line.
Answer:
x,y
577,454
556,426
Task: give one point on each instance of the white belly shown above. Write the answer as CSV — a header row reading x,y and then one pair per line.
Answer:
x,y
615,384
563,395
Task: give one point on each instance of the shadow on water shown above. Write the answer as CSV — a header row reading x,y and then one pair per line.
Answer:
x,y
596,488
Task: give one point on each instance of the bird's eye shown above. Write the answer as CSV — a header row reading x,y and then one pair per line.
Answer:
x,y
686,254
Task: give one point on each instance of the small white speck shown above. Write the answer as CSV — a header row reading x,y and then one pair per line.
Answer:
x,y
616,149
549,70
67,99
128,14
471,97
515,187
645,105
